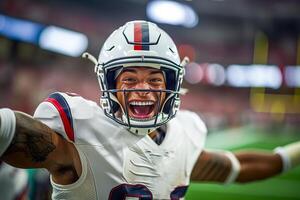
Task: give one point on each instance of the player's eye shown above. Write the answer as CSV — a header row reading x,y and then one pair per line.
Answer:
x,y
156,80
128,80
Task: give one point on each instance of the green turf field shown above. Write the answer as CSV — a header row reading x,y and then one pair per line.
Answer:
x,y
283,187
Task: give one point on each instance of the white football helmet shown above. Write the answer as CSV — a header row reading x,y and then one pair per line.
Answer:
x,y
139,44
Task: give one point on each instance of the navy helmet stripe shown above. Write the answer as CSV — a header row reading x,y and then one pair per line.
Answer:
x,y
145,36
141,36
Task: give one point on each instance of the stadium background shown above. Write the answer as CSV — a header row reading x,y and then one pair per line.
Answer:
x,y
239,112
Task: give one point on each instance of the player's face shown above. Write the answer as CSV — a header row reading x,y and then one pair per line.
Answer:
x,y
141,104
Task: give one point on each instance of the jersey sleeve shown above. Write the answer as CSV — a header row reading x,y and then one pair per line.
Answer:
x,y
53,114
198,138
62,112
196,132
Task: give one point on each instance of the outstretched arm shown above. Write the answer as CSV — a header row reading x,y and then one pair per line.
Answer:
x,y
258,165
222,166
35,145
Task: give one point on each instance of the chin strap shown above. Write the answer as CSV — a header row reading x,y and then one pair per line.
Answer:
x,y
184,61
98,67
89,57
183,91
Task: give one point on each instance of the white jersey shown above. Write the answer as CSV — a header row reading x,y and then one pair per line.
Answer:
x,y
13,182
117,164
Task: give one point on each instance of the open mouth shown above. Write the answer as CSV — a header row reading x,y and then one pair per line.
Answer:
x,y
141,109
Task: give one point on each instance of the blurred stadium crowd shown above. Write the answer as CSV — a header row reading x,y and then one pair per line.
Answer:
x,y
29,73
224,36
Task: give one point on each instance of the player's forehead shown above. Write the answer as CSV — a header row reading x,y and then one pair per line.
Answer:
x,y
141,70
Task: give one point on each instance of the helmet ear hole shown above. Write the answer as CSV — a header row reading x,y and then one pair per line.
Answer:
x,y
170,77
110,77
167,106
115,107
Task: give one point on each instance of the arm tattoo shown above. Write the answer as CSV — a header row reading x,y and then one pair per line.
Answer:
x,y
214,168
32,138
211,167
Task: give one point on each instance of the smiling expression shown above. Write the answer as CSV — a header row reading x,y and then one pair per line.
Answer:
x,y
141,104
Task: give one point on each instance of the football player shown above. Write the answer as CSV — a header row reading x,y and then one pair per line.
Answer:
x,y
137,144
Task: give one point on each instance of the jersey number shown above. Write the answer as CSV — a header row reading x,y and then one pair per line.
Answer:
x,y
141,192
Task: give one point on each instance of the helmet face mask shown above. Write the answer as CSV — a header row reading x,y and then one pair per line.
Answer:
x,y
123,114
139,44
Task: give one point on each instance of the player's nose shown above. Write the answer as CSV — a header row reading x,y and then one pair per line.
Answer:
x,y
144,88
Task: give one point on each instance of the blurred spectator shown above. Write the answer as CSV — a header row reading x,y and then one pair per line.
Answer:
x,y
13,182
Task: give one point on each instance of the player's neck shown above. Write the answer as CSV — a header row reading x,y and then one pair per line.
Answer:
x,y
158,135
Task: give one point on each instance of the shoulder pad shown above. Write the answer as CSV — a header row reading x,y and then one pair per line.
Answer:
x,y
197,129
60,111
78,107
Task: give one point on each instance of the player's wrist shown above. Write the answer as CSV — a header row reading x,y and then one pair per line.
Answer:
x,y
235,167
290,155
7,128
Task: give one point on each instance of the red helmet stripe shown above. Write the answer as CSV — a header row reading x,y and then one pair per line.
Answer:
x,y
141,36
138,36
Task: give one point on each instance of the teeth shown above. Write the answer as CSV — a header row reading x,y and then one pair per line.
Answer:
x,y
141,103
